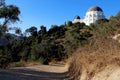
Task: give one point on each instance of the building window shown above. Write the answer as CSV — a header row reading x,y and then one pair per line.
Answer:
x,y
90,15
94,15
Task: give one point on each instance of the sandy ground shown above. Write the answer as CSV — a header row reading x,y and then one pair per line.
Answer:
x,y
38,72
54,72
111,72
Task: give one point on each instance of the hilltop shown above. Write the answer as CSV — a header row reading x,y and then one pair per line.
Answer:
x,y
100,58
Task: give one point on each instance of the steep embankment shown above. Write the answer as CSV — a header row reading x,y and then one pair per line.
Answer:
x,y
109,73
100,60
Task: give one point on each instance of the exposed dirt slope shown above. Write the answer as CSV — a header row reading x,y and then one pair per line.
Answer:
x,y
108,73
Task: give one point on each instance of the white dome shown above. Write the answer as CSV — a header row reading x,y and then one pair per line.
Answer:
x,y
95,8
94,13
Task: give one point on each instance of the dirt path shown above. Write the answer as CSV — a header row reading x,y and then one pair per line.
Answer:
x,y
39,72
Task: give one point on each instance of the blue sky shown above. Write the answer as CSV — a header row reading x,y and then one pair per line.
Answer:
x,y
56,12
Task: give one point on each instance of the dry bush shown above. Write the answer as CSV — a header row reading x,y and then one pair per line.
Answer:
x,y
93,58
118,31
23,64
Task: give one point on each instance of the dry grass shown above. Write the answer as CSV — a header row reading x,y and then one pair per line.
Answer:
x,y
93,58
23,64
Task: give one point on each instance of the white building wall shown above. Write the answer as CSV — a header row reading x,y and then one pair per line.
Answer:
x,y
78,20
91,17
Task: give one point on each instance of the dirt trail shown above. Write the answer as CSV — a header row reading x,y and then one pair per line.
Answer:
x,y
39,72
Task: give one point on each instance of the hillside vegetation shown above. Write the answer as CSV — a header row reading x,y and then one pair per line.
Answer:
x,y
56,44
90,49
38,45
100,53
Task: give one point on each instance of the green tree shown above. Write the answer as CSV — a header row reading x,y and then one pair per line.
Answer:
x,y
101,21
8,13
42,31
69,24
56,31
18,31
2,3
32,30
76,36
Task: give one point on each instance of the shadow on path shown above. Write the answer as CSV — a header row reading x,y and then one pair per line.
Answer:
x,y
29,74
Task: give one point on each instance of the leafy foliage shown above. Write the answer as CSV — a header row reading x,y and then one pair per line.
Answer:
x,y
8,13
55,44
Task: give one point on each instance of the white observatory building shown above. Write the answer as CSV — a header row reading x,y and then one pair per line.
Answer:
x,y
94,13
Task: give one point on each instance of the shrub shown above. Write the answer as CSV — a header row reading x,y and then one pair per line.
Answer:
x,y
93,58
4,61
17,64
